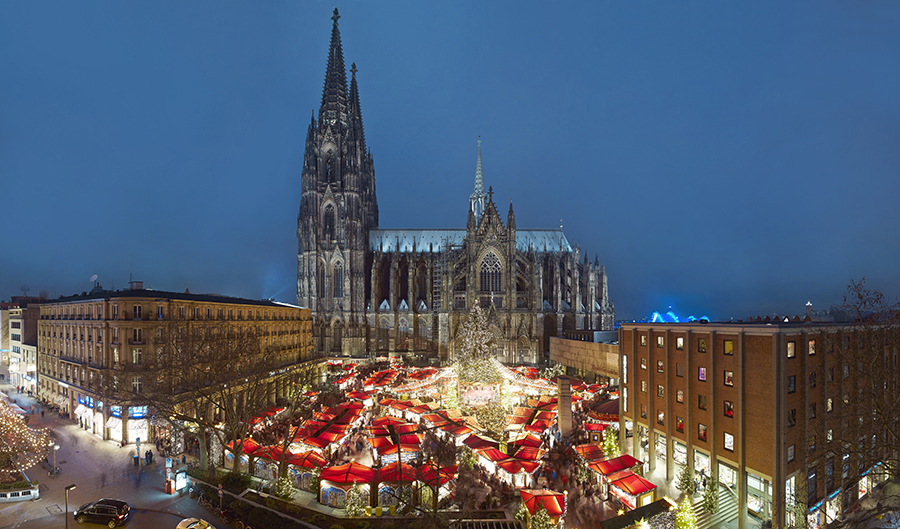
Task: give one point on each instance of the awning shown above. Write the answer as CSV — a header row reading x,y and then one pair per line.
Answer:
x,y
61,400
605,468
349,473
113,423
590,452
633,484
553,502
81,410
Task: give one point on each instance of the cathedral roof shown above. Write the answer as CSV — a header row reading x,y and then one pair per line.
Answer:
x,y
433,240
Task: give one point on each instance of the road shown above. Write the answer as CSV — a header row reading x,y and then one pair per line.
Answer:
x,y
98,469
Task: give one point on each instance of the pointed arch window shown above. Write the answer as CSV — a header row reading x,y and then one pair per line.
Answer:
x,y
320,281
329,222
490,273
338,280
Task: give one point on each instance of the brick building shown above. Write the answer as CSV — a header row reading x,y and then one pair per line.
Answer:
x,y
769,409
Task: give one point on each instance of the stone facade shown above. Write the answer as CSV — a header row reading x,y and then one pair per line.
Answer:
x,y
379,291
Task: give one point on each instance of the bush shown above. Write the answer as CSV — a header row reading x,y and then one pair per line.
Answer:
x,y
236,483
260,517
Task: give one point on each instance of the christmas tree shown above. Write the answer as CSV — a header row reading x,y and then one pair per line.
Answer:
x,y
475,359
21,447
542,520
685,519
685,482
710,501
611,442
356,503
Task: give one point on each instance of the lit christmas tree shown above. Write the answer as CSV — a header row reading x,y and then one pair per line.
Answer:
x,y
685,482
475,358
685,519
542,520
355,504
21,447
611,442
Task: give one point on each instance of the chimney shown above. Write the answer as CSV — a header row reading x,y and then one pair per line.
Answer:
x,y
135,285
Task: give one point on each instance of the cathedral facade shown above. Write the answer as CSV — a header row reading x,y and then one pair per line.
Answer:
x,y
376,291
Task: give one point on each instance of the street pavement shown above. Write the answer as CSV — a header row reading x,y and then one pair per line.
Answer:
x,y
98,469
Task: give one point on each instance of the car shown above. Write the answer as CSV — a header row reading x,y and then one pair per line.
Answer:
x,y
194,523
111,512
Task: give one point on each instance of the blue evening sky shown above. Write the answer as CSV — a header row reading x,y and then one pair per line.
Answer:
x,y
724,158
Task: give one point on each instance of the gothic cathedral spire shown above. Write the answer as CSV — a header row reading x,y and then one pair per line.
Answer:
x,y
334,93
476,200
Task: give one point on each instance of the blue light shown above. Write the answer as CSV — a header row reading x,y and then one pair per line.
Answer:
x,y
671,317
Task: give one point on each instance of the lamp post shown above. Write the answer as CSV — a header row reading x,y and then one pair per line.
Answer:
x,y
70,487
55,449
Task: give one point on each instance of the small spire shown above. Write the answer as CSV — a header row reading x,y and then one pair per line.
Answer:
x,y
335,17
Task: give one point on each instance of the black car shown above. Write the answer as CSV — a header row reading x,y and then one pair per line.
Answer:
x,y
111,512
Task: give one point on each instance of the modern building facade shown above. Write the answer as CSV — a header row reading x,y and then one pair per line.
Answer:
x,y
761,407
21,320
378,291
96,350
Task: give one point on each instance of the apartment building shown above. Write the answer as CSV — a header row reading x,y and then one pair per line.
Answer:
x,y
766,408
96,349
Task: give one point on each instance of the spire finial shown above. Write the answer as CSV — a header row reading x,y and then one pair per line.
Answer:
x,y
336,16
353,69
476,200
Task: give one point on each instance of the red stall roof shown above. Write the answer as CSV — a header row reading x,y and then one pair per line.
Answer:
x,y
553,502
633,484
609,466
348,473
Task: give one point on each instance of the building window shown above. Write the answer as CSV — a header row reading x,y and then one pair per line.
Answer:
x,y
701,432
137,312
644,364
792,384
831,374
115,312
791,417
490,273
159,312
624,367
137,385
791,349
660,391
643,340
329,223
829,435
790,453
701,345
729,408
846,371
137,335
701,374
659,366
811,487
643,411
812,410
679,343
679,395
679,424
729,348
701,402
812,347
729,378
625,399
643,386
829,405
660,341
338,280
660,417
729,442
812,379
812,443
137,356
679,370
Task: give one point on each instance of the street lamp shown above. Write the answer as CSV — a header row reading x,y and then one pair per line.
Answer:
x,y
55,448
70,487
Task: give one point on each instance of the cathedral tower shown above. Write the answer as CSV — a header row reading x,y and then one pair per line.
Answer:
x,y
337,209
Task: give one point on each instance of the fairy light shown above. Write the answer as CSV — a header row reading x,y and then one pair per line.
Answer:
x,y
25,446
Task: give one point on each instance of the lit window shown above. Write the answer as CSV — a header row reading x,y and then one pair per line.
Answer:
x,y
828,435
701,432
679,343
701,402
829,405
643,386
679,395
643,411
660,341
729,442
812,347
701,345
790,453
702,374
791,349
625,399
643,340
659,366
729,348
679,424
729,378
643,363
660,417
729,408
660,391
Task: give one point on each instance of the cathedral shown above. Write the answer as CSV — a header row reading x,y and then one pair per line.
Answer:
x,y
375,292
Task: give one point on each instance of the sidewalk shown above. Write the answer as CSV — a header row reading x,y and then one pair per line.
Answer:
x,y
98,468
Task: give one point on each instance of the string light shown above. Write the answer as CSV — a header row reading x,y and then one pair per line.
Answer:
x,y
23,447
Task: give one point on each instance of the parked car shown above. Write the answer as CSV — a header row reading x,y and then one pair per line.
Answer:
x,y
194,523
111,512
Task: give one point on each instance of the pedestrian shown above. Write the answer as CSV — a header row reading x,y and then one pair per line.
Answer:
x,y
42,413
